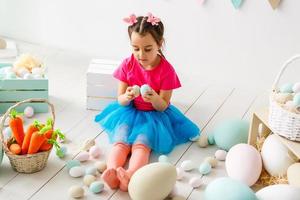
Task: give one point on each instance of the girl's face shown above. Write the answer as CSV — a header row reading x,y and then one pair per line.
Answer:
x,y
145,49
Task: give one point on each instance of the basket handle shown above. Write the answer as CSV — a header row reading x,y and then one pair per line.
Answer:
x,y
16,105
283,68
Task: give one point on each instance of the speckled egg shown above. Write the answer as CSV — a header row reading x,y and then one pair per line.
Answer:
x,y
282,98
180,173
220,155
72,163
296,87
163,158
76,191
187,165
195,182
136,90
287,88
95,151
203,141
212,161
76,171
96,187
83,156
205,168
144,89
101,166
28,111
91,170
88,179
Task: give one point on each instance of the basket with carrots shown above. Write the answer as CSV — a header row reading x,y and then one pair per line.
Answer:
x,y
28,150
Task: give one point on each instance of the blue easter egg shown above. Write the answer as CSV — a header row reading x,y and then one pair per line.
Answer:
x,y
286,88
205,168
163,158
96,187
144,89
296,99
72,163
228,189
91,170
230,133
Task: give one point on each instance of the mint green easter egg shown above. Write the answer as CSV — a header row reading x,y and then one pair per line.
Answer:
x,y
287,88
296,99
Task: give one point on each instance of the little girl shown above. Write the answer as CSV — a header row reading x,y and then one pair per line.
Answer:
x,y
148,122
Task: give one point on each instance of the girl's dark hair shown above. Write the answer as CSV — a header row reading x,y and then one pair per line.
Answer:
x,y
143,27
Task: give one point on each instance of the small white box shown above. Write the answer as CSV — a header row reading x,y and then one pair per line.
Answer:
x,y
102,87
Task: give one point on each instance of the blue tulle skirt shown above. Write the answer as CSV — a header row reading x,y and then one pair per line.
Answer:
x,y
160,131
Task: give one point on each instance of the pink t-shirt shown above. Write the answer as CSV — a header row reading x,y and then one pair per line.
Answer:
x,y
162,77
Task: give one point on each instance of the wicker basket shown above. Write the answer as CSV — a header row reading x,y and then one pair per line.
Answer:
x,y
282,121
28,163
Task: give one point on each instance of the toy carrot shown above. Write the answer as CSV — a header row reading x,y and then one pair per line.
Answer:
x,y
37,139
16,125
36,126
47,145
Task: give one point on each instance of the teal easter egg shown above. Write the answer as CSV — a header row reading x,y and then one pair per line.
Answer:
x,y
205,168
96,187
163,158
286,88
228,189
211,139
230,133
144,89
1,153
72,163
91,170
296,99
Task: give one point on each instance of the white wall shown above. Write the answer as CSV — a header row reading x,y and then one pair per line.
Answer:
x,y
212,42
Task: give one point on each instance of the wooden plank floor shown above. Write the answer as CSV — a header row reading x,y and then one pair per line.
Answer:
x,y
205,104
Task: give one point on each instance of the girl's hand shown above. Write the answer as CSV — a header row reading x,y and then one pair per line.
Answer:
x,y
150,96
129,95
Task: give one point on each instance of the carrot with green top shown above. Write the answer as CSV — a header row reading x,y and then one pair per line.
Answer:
x,y
36,126
37,140
47,145
16,125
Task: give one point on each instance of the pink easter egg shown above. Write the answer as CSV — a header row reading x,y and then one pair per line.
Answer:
x,y
83,156
95,151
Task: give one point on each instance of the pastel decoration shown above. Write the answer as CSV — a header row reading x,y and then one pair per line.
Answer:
x,y
37,76
187,165
228,189
276,165
201,2
211,139
2,44
28,76
7,132
38,70
153,181
274,3
61,153
286,88
87,144
88,179
76,191
145,88
230,133
76,171
96,187
83,156
72,163
203,141
180,173
163,158
28,111
212,161
237,3
293,174
136,90
101,166
221,155
280,191
195,182
91,170
282,98
243,163
1,153
95,151
296,87
205,168
296,100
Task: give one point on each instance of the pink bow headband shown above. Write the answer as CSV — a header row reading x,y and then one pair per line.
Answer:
x,y
151,19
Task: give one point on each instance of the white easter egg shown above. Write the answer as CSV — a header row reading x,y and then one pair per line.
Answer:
x,y
28,111
203,141
37,70
195,182
145,88
101,166
28,76
95,151
220,155
136,90
180,173
280,191
91,170
275,165
37,76
83,156
88,179
296,87
243,163
293,174
76,171
212,161
163,158
7,132
152,182
76,191
188,165
22,71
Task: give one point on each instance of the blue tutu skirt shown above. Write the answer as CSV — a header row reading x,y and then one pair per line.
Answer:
x,y
160,131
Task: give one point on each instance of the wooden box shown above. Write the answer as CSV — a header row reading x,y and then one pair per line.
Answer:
x,y
101,85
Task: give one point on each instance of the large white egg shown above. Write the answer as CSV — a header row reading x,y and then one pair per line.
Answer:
x,y
188,165
152,182
293,174
276,156
280,191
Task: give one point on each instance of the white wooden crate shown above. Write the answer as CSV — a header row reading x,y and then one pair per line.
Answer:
x,y
101,85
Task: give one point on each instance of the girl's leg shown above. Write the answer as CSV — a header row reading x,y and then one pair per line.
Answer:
x,y
117,158
139,157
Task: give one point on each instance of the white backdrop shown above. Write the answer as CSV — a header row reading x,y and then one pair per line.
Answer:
x,y
212,42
